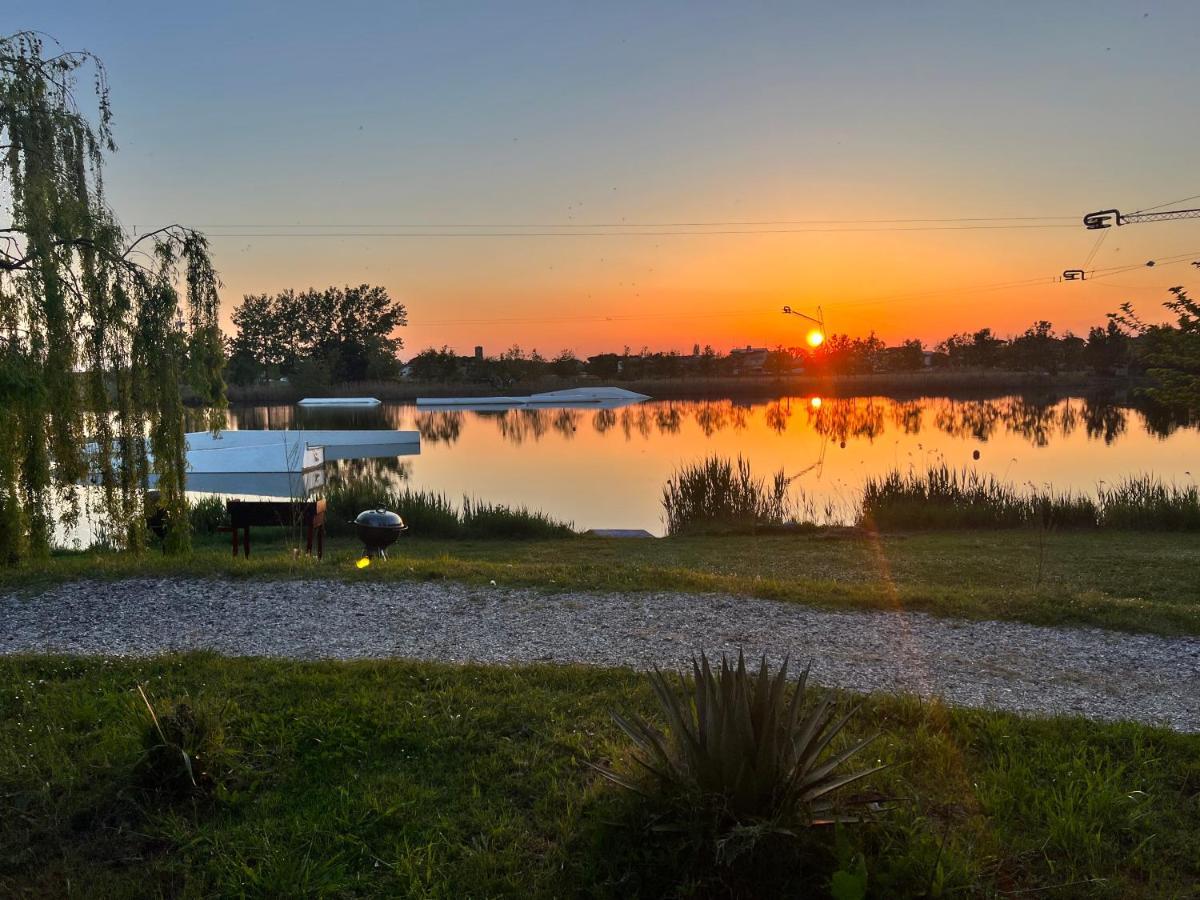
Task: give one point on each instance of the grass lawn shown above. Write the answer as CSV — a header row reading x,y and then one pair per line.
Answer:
x,y
419,780
1136,581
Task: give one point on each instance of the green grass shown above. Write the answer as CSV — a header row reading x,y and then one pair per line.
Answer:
x,y
1134,581
419,780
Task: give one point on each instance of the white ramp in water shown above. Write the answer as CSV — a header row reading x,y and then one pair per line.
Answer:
x,y
352,402
294,457
359,444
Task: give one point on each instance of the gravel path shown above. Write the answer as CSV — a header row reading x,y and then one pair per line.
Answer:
x,y
1099,674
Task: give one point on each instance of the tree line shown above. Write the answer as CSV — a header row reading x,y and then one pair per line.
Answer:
x,y
322,337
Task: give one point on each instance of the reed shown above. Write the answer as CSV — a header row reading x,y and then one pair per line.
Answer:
x,y
429,514
940,497
1144,503
719,495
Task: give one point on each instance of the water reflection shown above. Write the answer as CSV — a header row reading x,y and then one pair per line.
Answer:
x,y
606,467
1038,420
443,427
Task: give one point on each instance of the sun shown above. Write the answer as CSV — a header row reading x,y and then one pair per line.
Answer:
x,y
815,338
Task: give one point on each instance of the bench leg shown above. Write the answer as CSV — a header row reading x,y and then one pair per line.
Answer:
x,y
246,540
235,535
321,541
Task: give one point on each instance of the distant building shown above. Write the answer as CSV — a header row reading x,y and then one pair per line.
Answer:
x,y
750,360
478,351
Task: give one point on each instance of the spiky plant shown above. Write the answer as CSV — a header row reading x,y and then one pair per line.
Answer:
x,y
744,748
184,748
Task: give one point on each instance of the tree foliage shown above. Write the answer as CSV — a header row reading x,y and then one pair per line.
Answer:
x,y
347,332
96,341
1170,353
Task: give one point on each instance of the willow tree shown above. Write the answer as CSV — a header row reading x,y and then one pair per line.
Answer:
x,y
100,330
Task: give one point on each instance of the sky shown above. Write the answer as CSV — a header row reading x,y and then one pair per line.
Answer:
x,y
545,174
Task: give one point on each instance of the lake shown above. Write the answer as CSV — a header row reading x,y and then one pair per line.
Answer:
x,y
606,468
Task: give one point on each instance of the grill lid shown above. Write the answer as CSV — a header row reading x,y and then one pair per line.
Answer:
x,y
379,518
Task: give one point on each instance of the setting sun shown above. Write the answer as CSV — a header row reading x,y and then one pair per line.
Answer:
x,y
815,338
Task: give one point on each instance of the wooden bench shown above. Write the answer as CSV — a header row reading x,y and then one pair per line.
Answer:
x,y
267,513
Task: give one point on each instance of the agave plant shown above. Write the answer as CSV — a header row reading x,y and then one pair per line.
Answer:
x,y
745,744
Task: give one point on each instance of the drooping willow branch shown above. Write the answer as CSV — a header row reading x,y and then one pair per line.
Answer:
x,y
96,346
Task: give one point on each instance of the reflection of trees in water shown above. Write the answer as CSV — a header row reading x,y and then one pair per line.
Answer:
x,y
274,418
644,419
604,420
971,418
1163,421
907,414
841,418
636,418
1032,420
441,427
566,422
1104,420
1038,420
392,472
777,415
717,415
712,417
520,425
667,418
352,469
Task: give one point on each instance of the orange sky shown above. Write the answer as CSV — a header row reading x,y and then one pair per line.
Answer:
x,y
295,140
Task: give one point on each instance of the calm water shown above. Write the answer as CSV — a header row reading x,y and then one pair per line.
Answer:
x,y
606,468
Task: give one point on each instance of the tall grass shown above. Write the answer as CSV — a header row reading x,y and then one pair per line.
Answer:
x,y
431,514
1144,503
718,495
940,497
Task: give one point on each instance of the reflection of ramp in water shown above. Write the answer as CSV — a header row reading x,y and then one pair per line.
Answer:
x,y
575,398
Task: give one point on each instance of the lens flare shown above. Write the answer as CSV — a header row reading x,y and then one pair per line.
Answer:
x,y
364,562
815,338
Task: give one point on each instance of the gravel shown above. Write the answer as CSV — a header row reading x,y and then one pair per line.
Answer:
x,y
1002,665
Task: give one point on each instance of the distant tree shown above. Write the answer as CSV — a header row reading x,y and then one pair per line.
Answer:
x,y
604,366
434,365
779,362
566,365
910,356
351,330
1037,350
1107,348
